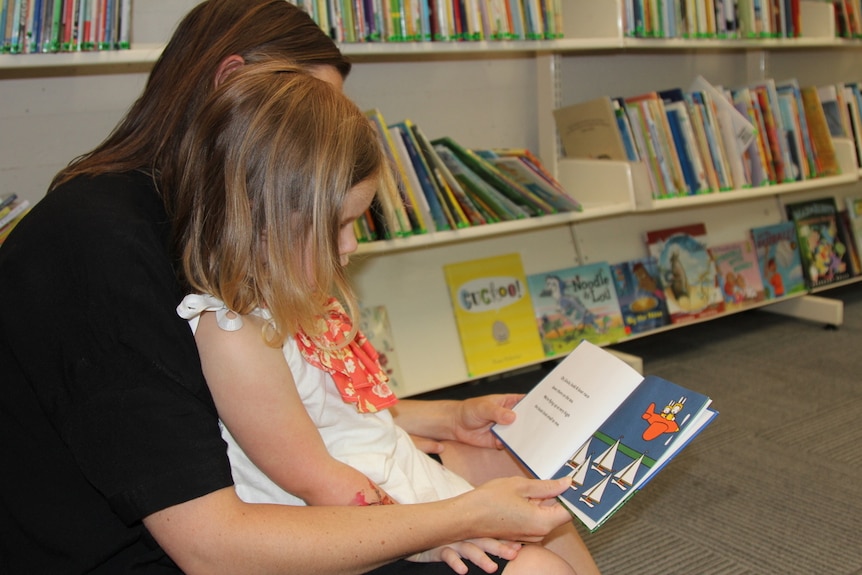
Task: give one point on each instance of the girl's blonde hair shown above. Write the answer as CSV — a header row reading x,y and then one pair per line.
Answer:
x,y
266,167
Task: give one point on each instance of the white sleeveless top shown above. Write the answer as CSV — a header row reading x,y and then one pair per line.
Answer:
x,y
368,442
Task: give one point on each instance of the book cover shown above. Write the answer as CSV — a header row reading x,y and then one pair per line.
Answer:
x,y
374,323
738,273
598,421
576,303
640,294
818,130
854,216
821,245
777,249
686,271
590,130
519,169
494,313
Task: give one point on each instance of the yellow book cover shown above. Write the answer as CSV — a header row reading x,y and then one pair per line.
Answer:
x,y
494,314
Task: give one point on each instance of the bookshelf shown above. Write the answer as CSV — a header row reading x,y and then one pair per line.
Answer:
x,y
482,94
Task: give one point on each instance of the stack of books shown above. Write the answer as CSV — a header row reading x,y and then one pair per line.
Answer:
x,y
446,186
715,18
711,139
39,26
423,20
12,210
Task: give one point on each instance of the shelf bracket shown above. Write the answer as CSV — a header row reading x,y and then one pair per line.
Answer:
x,y
812,308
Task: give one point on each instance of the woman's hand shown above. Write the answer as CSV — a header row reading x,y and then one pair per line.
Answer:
x,y
474,550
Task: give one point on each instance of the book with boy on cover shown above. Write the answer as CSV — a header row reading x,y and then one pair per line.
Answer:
x,y
597,421
494,313
738,273
576,303
821,245
686,271
640,294
777,249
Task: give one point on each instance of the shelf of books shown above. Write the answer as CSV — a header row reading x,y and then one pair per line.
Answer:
x,y
565,27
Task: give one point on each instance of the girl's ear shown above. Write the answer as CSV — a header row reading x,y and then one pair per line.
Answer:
x,y
227,66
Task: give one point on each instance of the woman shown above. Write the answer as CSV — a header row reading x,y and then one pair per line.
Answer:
x,y
105,415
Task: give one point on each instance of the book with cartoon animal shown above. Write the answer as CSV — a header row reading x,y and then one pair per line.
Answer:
x,y
597,421
738,273
493,313
640,294
687,272
822,245
777,249
576,303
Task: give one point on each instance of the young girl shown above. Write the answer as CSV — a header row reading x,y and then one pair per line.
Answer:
x,y
278,166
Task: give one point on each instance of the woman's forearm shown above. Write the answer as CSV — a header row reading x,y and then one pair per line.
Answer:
x,y
218,533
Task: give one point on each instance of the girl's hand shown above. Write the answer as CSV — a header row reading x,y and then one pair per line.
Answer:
x,y
474,417
474,550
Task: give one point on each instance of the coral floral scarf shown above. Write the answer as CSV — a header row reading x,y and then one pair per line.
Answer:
x,y
354,367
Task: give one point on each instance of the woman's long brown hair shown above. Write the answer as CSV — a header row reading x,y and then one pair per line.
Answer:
x,y
184,76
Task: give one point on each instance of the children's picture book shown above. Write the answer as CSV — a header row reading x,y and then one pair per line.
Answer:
x,y
576,303
687,272
494,313
597,421
374,324
777,249
854,215
590,130
640,294
738,273
821,245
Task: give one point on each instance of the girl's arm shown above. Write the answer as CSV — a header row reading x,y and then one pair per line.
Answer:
x,y
256,398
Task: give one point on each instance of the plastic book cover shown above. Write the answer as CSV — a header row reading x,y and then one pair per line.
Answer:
x,y
777,249
374,323
821,244
597,421
574,304
494,314
653,423
640,294
687,272
738,273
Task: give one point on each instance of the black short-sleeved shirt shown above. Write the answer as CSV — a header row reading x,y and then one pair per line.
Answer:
x,y
105,416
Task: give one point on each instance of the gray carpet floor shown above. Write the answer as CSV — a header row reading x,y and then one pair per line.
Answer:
x,y
773,485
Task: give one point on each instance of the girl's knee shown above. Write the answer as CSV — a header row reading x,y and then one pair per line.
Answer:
x,y
534,559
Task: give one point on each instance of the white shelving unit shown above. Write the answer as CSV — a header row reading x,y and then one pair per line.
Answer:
x,y
482,94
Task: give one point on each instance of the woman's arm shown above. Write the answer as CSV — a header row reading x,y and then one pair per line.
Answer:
x,y
256,397
218,533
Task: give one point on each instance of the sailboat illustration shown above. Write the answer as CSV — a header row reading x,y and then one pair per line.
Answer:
x,y
593,495
604,463
580,455
625,477
579,473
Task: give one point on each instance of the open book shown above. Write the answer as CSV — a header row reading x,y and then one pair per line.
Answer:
x,y
595,419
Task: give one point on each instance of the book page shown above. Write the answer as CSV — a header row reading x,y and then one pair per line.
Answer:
x,y
566,407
